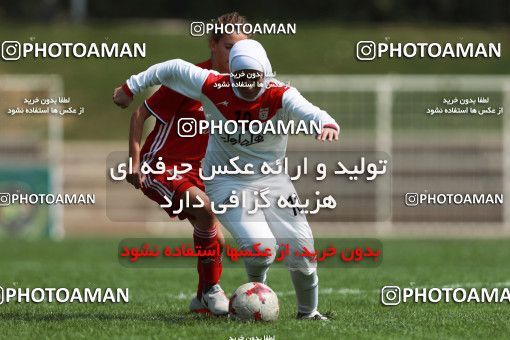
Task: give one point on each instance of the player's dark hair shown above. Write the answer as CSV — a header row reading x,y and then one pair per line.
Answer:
x,y
228,18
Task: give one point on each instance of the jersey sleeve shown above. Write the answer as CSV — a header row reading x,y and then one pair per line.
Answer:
x,y
298,108
164,103
176,74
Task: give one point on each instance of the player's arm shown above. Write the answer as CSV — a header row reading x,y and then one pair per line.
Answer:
x,y
177,74
138,119
299,108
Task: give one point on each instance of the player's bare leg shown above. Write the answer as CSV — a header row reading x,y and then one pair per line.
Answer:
x,y
207,234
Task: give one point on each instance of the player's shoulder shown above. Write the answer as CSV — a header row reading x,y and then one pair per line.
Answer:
x,y
277,88
165,94
207,64
216,81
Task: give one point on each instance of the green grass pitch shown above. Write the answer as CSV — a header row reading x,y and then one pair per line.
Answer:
x,y
159,297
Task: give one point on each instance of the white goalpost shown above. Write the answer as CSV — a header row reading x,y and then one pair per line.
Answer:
x,y
393,104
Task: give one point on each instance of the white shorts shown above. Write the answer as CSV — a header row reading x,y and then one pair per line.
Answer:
x,y
272,226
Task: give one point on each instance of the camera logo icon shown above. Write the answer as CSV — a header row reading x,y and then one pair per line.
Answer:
x,y
411,199
365,50
11,50
5,199
187,127
390,295
197,28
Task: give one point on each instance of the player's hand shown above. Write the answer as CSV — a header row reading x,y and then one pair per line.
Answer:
x,y
121,98
328,134
136,179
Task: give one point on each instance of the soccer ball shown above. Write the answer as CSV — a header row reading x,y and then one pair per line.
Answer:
x,y
254,301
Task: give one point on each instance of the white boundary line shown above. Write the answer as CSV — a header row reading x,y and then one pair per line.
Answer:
x,y
355,291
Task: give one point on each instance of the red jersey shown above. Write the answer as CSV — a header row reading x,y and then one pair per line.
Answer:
x,y
168,106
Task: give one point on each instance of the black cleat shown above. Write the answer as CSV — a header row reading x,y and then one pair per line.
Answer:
x,y
311,316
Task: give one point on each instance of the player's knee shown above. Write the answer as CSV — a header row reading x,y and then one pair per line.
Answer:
x,y
262,261
301,264
258,262
203,219
311,273
306,270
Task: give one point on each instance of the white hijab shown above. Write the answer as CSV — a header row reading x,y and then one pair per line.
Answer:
x,y
249,54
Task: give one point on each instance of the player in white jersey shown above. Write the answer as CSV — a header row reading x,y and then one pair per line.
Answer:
x,y
264,99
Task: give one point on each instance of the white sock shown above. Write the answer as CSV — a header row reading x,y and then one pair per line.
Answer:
x,y
307,291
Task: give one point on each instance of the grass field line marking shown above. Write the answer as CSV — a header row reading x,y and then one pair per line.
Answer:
x,y
356,291
459,285
477,284
323,291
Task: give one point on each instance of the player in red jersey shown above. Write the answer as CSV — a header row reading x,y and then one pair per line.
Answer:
x,y
165,144
250,94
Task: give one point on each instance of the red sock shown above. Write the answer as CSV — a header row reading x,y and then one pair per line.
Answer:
x,y
209,268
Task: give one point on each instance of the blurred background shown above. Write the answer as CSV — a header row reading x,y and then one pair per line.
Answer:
x,y
381,106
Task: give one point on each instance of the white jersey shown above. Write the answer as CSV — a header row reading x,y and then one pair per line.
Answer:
x,y
276,103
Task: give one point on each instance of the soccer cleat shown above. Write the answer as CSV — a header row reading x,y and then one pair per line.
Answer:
x,y
196,306
311,316
215,300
